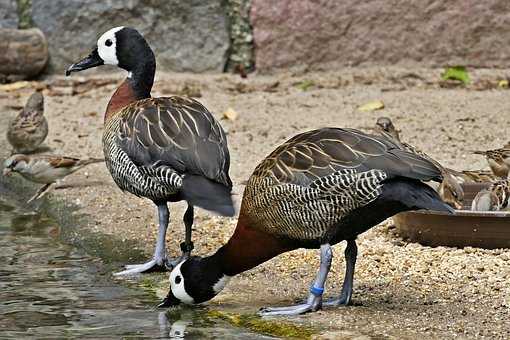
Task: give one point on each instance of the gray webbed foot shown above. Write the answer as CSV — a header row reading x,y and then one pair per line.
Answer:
x,y
154,265
290,310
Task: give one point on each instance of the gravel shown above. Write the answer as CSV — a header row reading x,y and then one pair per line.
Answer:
x,y
402,290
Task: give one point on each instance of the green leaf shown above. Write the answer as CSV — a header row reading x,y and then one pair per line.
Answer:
x,y
456,73
305,85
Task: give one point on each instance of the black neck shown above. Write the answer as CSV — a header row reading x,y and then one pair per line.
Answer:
x,y
142,79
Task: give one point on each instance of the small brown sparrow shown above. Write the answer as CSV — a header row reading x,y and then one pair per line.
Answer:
x,y
494,198
499,161
385,127
476,176
29,128
44,169
450,191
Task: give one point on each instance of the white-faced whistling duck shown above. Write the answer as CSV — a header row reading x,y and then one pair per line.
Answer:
x,y
315,190
165,149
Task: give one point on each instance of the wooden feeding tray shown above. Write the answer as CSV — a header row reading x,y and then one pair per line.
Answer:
x,y
489,229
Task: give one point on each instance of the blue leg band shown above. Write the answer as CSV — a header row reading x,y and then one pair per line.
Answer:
x,y
316,291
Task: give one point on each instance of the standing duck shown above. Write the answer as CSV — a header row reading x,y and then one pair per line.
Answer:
x,y
315,190
29,128
165,149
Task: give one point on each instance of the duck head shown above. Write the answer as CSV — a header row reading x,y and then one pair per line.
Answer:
x,y
121,46
193,281
15,163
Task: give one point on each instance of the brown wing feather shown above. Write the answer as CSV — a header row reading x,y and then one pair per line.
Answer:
x,y
177,132
62,162
317,153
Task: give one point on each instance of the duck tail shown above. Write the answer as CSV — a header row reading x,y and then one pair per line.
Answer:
x,y
432,201
414,195
207,194
424,197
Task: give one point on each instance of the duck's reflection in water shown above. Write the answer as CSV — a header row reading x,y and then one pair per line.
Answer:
x,y
174,328
200,323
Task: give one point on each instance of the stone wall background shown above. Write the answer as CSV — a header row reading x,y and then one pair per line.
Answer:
x,y
8,14
201,36
187,35
309,33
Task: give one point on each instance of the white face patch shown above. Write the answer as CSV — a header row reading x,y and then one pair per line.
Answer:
x,y
177,285
218,286
107,46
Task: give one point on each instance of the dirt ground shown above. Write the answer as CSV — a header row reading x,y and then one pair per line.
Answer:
x,y
402,290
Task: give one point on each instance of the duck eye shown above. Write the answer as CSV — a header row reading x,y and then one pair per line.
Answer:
x,y
178,279
108,42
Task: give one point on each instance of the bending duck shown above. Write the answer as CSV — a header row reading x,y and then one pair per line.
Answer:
x,y
165,149
319,188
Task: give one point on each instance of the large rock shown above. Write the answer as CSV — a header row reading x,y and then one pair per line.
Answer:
x,y
185,35
8,14
351,32
24,52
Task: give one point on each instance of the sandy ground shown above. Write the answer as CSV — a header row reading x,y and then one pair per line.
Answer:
x,y
402,290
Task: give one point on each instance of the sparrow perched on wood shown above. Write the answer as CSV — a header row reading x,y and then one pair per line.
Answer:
x,y
44,169
499,161
29,128
494,198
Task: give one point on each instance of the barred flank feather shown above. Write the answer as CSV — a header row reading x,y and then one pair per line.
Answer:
x,y
152,145
309,184
306,212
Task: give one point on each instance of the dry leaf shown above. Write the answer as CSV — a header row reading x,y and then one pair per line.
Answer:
x,y
15,86
371,106
230,114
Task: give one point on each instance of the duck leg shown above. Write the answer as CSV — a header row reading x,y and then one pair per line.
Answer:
x,y
351,252
314,301
159,261
187,246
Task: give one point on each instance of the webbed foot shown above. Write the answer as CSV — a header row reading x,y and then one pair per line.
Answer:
x,y
154,265
290,310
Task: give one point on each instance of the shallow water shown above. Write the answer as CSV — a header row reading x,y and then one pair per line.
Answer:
x,y
50,289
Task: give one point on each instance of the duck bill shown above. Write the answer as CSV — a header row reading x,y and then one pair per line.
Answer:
x,y
169,301
92,60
